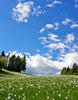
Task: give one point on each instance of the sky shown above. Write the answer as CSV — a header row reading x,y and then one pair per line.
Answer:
x,y
46,31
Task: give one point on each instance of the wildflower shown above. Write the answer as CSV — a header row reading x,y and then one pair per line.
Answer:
x,y
59,95
48,97
9,97
66,97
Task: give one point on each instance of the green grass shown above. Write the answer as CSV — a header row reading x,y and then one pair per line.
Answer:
x,y
11,74
17,86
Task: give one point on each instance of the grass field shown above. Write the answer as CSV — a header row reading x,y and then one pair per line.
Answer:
x,y
17,86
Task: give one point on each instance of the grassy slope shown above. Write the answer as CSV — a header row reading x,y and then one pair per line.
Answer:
x,y
11,74
18,86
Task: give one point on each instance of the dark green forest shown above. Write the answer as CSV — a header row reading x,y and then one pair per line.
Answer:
x,y
12,62
70,71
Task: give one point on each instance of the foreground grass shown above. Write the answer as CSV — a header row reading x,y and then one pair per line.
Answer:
x,y
39,88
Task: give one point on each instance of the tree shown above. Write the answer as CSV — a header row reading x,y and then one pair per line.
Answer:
x,y
23,63
16,63
68,69
75,68
1,65
4,60
3,54
63,72
12,63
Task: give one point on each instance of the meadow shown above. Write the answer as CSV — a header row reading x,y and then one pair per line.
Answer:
x,y
17,86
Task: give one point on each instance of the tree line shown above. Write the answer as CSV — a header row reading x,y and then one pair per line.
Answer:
x,y
12,62
70,71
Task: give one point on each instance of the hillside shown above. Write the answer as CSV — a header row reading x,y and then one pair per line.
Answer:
x,y
19,86
11,74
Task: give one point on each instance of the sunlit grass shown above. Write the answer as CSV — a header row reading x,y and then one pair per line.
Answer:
x,y
39,88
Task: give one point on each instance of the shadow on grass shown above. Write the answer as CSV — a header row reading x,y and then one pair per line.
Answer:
x,y
5,73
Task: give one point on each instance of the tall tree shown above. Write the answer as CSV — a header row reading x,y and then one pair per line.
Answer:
x,y
17,64
24,63
2,54
75,68
1,65
12,63
4,60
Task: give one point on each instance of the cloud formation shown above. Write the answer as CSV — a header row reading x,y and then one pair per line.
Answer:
x,y
40,65
54,3
74,25
52,42
53,37
23,11
70,38
76,3
50,26
67,20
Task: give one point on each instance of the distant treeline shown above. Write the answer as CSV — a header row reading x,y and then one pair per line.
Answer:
x,y
70,71
12,62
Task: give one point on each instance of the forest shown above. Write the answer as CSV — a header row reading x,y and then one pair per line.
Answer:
x,y
12,62
70,71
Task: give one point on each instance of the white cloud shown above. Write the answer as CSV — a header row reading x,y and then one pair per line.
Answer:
x,y
67,20
51,45
49,26
56,46
38,50
70,38
23,11
44,40
48,55
54,3
56,24
38,64
15,52
76,3
74,25
42,30
53,37
70,58
41,65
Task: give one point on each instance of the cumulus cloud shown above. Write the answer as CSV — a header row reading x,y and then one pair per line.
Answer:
x,y
69,38
16,53
50,26
22,11
74,25
53,37
54,3
44,40
76,3
42,30
52,42
41,65
56,46
56,25
70,58
67,20
38,50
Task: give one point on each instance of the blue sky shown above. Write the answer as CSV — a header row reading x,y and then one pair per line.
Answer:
x,y
45,31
